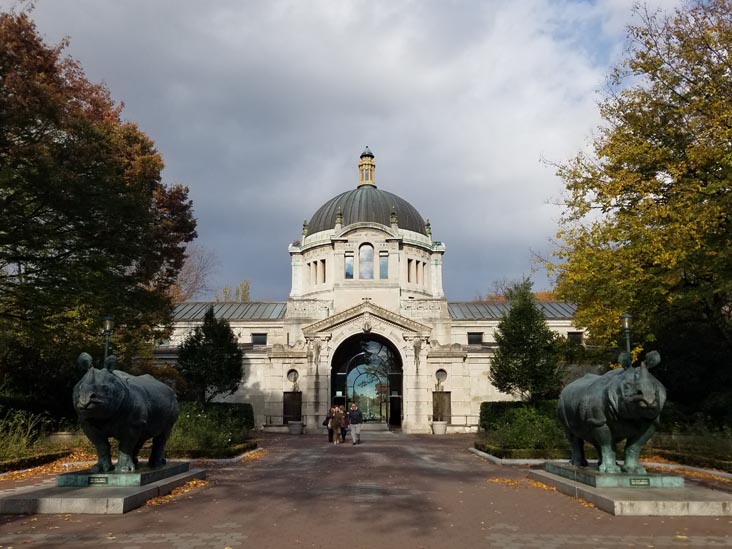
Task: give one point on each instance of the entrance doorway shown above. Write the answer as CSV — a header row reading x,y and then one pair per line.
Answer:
x,y
367,370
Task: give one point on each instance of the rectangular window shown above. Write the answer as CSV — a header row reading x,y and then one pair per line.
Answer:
x,y
349,267
575,337
384,265
259,339
475,338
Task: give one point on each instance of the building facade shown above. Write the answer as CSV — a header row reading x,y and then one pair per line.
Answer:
x,y
366,320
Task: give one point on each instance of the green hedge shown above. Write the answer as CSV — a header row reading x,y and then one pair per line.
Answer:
x,y
239,412
492,414
695,460
525,453
215,453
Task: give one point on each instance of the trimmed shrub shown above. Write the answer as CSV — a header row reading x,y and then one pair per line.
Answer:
x,y
528,427
696,460
217,453
493,414
208,427
525,453
238,412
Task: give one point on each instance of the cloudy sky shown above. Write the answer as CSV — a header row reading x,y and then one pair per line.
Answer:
x,y
262,108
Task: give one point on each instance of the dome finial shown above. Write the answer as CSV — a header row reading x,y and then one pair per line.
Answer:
x,y
366,168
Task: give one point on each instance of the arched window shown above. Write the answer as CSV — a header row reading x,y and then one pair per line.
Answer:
x,y
366,261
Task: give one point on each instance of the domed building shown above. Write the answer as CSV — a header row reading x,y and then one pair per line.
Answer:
x,y
366,321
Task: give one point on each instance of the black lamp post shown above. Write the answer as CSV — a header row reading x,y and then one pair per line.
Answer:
x,y
108,325
625,321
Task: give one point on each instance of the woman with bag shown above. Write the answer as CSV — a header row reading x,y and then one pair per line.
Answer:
x,y
344,426
327,423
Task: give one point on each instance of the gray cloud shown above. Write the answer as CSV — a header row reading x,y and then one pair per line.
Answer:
x,y
262,108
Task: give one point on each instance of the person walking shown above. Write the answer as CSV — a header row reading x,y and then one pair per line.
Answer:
x,y
327,423
336,423
355,420
344,427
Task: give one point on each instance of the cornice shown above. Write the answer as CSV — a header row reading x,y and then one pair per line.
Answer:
x,y
333,322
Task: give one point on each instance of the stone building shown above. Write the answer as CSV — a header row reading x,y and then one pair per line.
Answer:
x,y
366,320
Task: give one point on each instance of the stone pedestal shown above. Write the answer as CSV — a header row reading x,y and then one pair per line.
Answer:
x,y
97,493
638,495
592,477
144,475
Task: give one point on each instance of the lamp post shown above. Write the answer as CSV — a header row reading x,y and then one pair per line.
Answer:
x,y
108,325
625,321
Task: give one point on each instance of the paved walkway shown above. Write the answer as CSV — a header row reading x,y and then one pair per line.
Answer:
x,y
394,490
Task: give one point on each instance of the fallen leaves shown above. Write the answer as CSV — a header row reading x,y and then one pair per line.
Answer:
x,y
510,482
176,492
540,485
521,483
659,459
255,454
59,466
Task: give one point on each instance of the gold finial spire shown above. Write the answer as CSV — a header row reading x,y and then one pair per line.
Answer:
x,y
366,168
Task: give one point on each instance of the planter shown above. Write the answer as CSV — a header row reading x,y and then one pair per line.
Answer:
x,y
295,427
65,438
439,427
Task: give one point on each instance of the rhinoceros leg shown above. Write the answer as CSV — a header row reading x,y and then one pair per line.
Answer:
x,y
632,451
104,457
101,444
604,441
125,463
128,448
157,456
577,451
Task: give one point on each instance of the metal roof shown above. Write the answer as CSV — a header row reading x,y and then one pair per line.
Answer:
x,y
466,310
366,203
494,310
231,311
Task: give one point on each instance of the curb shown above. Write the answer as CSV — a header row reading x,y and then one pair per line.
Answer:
x,y
672,466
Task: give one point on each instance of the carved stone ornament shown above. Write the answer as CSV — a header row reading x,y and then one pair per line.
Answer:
x,y
316,345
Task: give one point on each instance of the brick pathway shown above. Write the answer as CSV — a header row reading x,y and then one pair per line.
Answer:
x,y
397,491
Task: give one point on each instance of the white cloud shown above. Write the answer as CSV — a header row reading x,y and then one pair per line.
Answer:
x,y
262,108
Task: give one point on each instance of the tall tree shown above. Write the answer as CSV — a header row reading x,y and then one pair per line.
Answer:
x,y
193,277
88,228
240,293
210,359
527,358
648,223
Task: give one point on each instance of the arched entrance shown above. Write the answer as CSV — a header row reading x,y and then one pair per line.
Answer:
x,y
367,370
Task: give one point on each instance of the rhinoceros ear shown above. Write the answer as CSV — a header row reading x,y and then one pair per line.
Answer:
x,y
84,361
652,359
625,360
110,363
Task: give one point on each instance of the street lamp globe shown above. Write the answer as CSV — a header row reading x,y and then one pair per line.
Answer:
x,y
625,321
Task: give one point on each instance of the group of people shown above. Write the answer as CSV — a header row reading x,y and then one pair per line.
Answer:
x,y
339,422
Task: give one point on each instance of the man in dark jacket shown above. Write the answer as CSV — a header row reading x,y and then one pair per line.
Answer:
x,y
355,419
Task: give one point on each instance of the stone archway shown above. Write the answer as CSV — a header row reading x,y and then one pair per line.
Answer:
x,y
367,369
